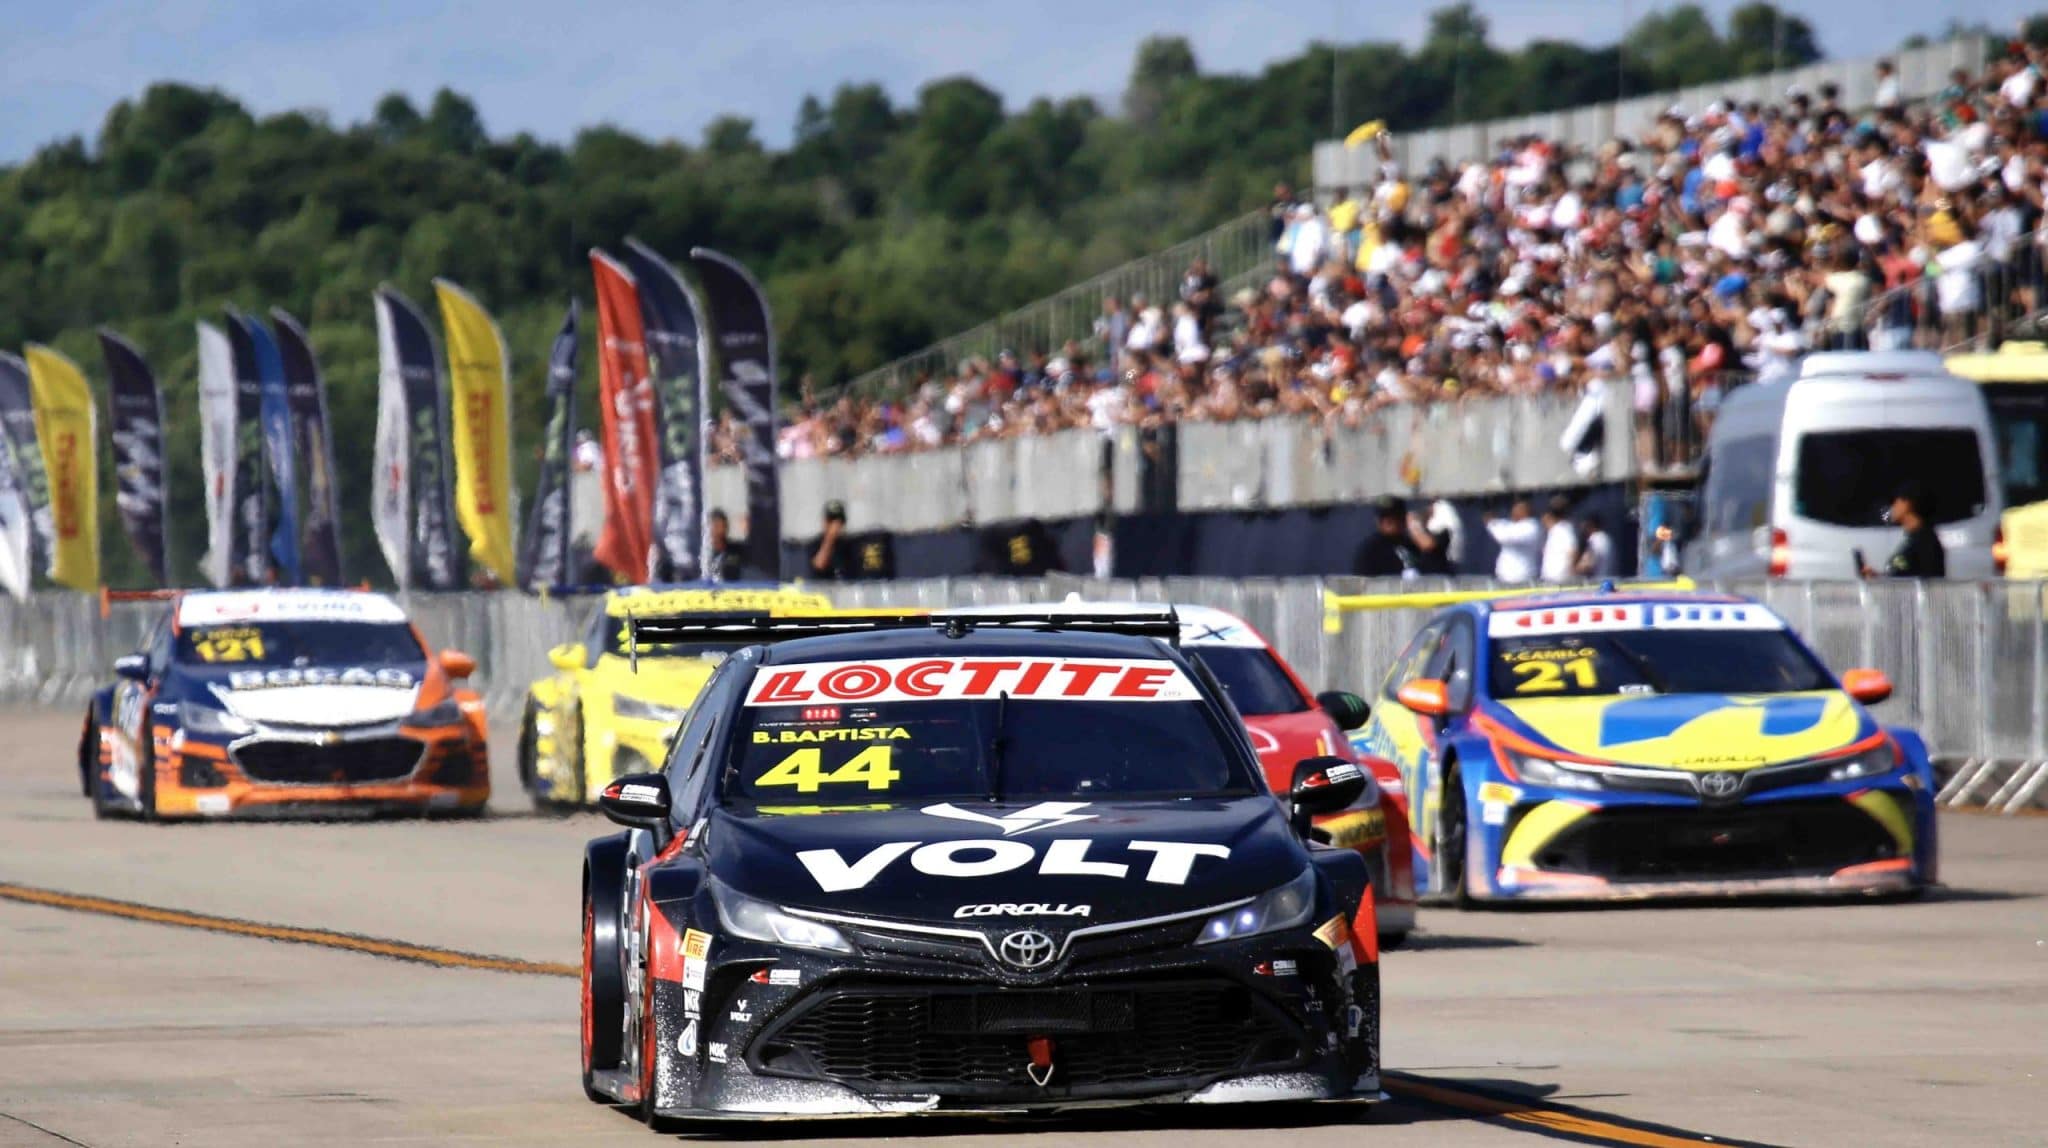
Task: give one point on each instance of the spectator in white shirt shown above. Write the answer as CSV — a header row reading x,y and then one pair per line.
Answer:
x,y
1305,253
1888,98
1560,541
1520,538
1596,555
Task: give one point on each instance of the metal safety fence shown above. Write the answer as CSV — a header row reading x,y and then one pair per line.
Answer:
x,y
1969,661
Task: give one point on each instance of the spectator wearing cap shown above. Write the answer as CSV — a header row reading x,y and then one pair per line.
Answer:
x,y
1919,554
1387,552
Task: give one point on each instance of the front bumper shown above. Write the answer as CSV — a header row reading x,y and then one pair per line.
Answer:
x,y
1811,842
778,1033
324,774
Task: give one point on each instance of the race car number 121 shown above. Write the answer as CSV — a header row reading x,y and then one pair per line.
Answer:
x,y
805,770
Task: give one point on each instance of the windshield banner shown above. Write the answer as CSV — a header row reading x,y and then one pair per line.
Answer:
x,y
544,551
320,545
1632,616
746,380
676,362
29,544
138,434
626,412
937,679
64,427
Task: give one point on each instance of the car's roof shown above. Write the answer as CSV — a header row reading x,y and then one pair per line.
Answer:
x,y
649,600
1199,625
1570,598
218,607
931,643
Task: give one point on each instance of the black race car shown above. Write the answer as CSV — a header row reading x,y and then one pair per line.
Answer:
x,y
988,864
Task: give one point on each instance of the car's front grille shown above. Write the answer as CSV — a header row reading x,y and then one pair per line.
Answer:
x,y
1653,844
343,763
976,1040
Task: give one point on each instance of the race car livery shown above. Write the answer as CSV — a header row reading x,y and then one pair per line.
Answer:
x,y
600,716
952,865
1288,723
1618,745
267,702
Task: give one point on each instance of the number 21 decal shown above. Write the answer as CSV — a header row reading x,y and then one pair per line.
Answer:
x,y
1549,677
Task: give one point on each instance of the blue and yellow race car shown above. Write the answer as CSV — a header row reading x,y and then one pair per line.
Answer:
x,y
1628,745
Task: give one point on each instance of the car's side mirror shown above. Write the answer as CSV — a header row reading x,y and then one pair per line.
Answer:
x,y
637,801
567,657
1426,696
1323,785
134,667
457,664
1867,686
1347,709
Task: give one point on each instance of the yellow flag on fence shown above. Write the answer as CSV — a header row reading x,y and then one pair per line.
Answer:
x,y
479,388
64,427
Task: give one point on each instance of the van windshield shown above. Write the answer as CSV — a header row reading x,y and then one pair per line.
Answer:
x,y
1848,478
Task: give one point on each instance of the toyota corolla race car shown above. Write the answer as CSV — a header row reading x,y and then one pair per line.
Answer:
x,y
597,717
971,865
1288,723
1616,745
253,702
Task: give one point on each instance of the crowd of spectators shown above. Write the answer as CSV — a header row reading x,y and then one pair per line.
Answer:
x,y
1722,244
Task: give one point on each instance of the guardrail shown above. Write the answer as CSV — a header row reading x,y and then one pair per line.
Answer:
x,y
1922,73
1232,249
1969,660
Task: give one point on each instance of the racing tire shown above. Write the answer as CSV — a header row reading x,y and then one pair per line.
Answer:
x,y
528,752
145,784
604,983
1453,831
89,756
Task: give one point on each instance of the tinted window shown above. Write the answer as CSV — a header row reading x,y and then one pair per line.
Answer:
x,y
1848,478
1652,661
300,644
1253,678
1738,494
2019,421
977,749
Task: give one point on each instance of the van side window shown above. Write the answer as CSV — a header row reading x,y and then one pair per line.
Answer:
x,y
1738,494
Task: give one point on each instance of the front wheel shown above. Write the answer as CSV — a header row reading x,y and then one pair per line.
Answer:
x,y
1452,840
89,756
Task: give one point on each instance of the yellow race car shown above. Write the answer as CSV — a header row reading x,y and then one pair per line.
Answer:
x,y
595,718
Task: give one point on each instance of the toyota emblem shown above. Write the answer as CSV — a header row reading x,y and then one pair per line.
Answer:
x,y
1026,949
1720,783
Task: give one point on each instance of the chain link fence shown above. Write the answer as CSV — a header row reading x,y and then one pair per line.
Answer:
x,y
1969,661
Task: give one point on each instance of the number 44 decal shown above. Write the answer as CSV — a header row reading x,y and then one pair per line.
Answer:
x,y
805,770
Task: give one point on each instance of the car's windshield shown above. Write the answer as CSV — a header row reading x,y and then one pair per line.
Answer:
x,y
300,644
941,738
1652,661
1848,478
611,639
1257,686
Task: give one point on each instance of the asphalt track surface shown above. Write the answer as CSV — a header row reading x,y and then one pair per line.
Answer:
x,y
411,982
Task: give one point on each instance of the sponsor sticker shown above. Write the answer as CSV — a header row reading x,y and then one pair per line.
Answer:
x,y
1171,862
286,606
638,792
1335,933
386,677
693,1002
739,1014
843,733
773,976
718,1053
933,679
687,1043
212,803
1276,968
696,946
1633,616
1497,793
1021,909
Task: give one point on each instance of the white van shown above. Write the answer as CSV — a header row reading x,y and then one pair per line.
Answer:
x,y
1800,474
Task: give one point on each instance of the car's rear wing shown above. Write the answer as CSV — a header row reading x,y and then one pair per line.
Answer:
x,y
746,629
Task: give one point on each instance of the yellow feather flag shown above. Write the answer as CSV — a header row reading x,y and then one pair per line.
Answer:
x,y
479,394
64,426
1365,133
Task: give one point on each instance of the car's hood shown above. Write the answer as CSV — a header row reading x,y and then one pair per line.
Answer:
x,y
1284,739
311,695
929,861
1690,731
673,682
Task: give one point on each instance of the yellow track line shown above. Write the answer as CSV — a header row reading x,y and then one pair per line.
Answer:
x,y
326,938
1582,1127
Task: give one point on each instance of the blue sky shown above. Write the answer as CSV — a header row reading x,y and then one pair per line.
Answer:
x,y
665,69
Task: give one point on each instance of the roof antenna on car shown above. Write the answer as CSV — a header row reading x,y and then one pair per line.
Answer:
x,y
956,627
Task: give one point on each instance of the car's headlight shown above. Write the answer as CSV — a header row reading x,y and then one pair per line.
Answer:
x,y
1869,763
1287,907
743,916
445,713
1543,771
643,710
209,722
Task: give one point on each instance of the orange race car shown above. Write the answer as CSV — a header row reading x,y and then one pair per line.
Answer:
x,y
269,702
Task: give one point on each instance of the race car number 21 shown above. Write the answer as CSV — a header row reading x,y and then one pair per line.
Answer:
x,y
1549,677
805,770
